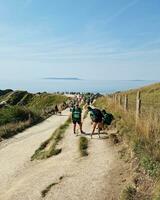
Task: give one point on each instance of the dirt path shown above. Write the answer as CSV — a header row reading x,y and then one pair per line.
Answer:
x,y
15,153
89,178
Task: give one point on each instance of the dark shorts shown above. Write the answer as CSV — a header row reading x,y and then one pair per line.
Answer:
x,y
98,120
76,121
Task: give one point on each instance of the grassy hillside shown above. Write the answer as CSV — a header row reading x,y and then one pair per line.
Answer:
x,y
20,109
142,138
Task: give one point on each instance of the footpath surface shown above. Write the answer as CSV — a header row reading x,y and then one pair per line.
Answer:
x,y
95,177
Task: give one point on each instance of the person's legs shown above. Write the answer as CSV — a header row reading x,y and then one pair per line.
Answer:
x,y
100,127
94,127
80,126
99,130
74,127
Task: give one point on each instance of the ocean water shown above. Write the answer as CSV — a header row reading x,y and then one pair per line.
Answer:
x,y
101,86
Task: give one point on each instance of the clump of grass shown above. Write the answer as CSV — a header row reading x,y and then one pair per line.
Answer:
x,y
83,146
47,189
128,193
152,167
49,147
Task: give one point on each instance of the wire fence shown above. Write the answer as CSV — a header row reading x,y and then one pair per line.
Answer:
x,y
141,105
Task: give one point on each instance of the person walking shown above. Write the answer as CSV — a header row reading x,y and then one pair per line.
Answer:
x,y
96,117
77,118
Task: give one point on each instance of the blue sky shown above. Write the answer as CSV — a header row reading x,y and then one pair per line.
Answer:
x,y
90,39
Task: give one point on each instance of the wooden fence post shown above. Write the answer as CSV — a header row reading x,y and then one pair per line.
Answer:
x,y
126,103
115,99
138,106
120,100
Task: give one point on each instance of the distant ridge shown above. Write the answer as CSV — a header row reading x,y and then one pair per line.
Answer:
x,y
61,78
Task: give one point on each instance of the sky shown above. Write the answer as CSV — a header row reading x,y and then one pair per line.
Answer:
x,y
89,39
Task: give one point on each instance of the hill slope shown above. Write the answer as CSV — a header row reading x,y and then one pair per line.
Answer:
x,y
20,109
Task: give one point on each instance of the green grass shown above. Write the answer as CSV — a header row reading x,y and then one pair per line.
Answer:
x,y
15,114
83,146
49,147
15,119
150,96
47,189
144,137
128,193
15,97
43,101
25,109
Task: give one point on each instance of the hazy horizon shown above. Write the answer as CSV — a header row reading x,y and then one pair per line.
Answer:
x,y
96,86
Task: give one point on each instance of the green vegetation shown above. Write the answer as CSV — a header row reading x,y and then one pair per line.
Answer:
x,y
142,137
15,97
48,188
15,119
15,114
83,146
49,147
44,101
128,193
150,96
20,110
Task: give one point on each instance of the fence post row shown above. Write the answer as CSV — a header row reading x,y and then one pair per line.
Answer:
x,y
117,99
138,105
126,103
120,100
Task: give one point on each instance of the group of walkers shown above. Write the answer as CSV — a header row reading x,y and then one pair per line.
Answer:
x,y
99,118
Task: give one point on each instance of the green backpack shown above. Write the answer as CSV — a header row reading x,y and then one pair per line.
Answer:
x,y
108,118
76,113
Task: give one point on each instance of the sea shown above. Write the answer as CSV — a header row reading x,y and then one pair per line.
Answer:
x,y
95,86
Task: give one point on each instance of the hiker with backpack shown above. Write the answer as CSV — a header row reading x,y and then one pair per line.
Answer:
x,y
107,118
97,119
76,118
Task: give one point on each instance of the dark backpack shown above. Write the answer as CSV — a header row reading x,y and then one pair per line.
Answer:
x,y
95,114
108,118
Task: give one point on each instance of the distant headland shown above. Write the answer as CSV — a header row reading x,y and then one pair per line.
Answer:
x,y
63,78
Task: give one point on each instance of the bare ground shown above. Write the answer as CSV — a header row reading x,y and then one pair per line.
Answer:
x,y
99,176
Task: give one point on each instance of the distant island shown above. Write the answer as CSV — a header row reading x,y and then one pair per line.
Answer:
x,y
62,78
